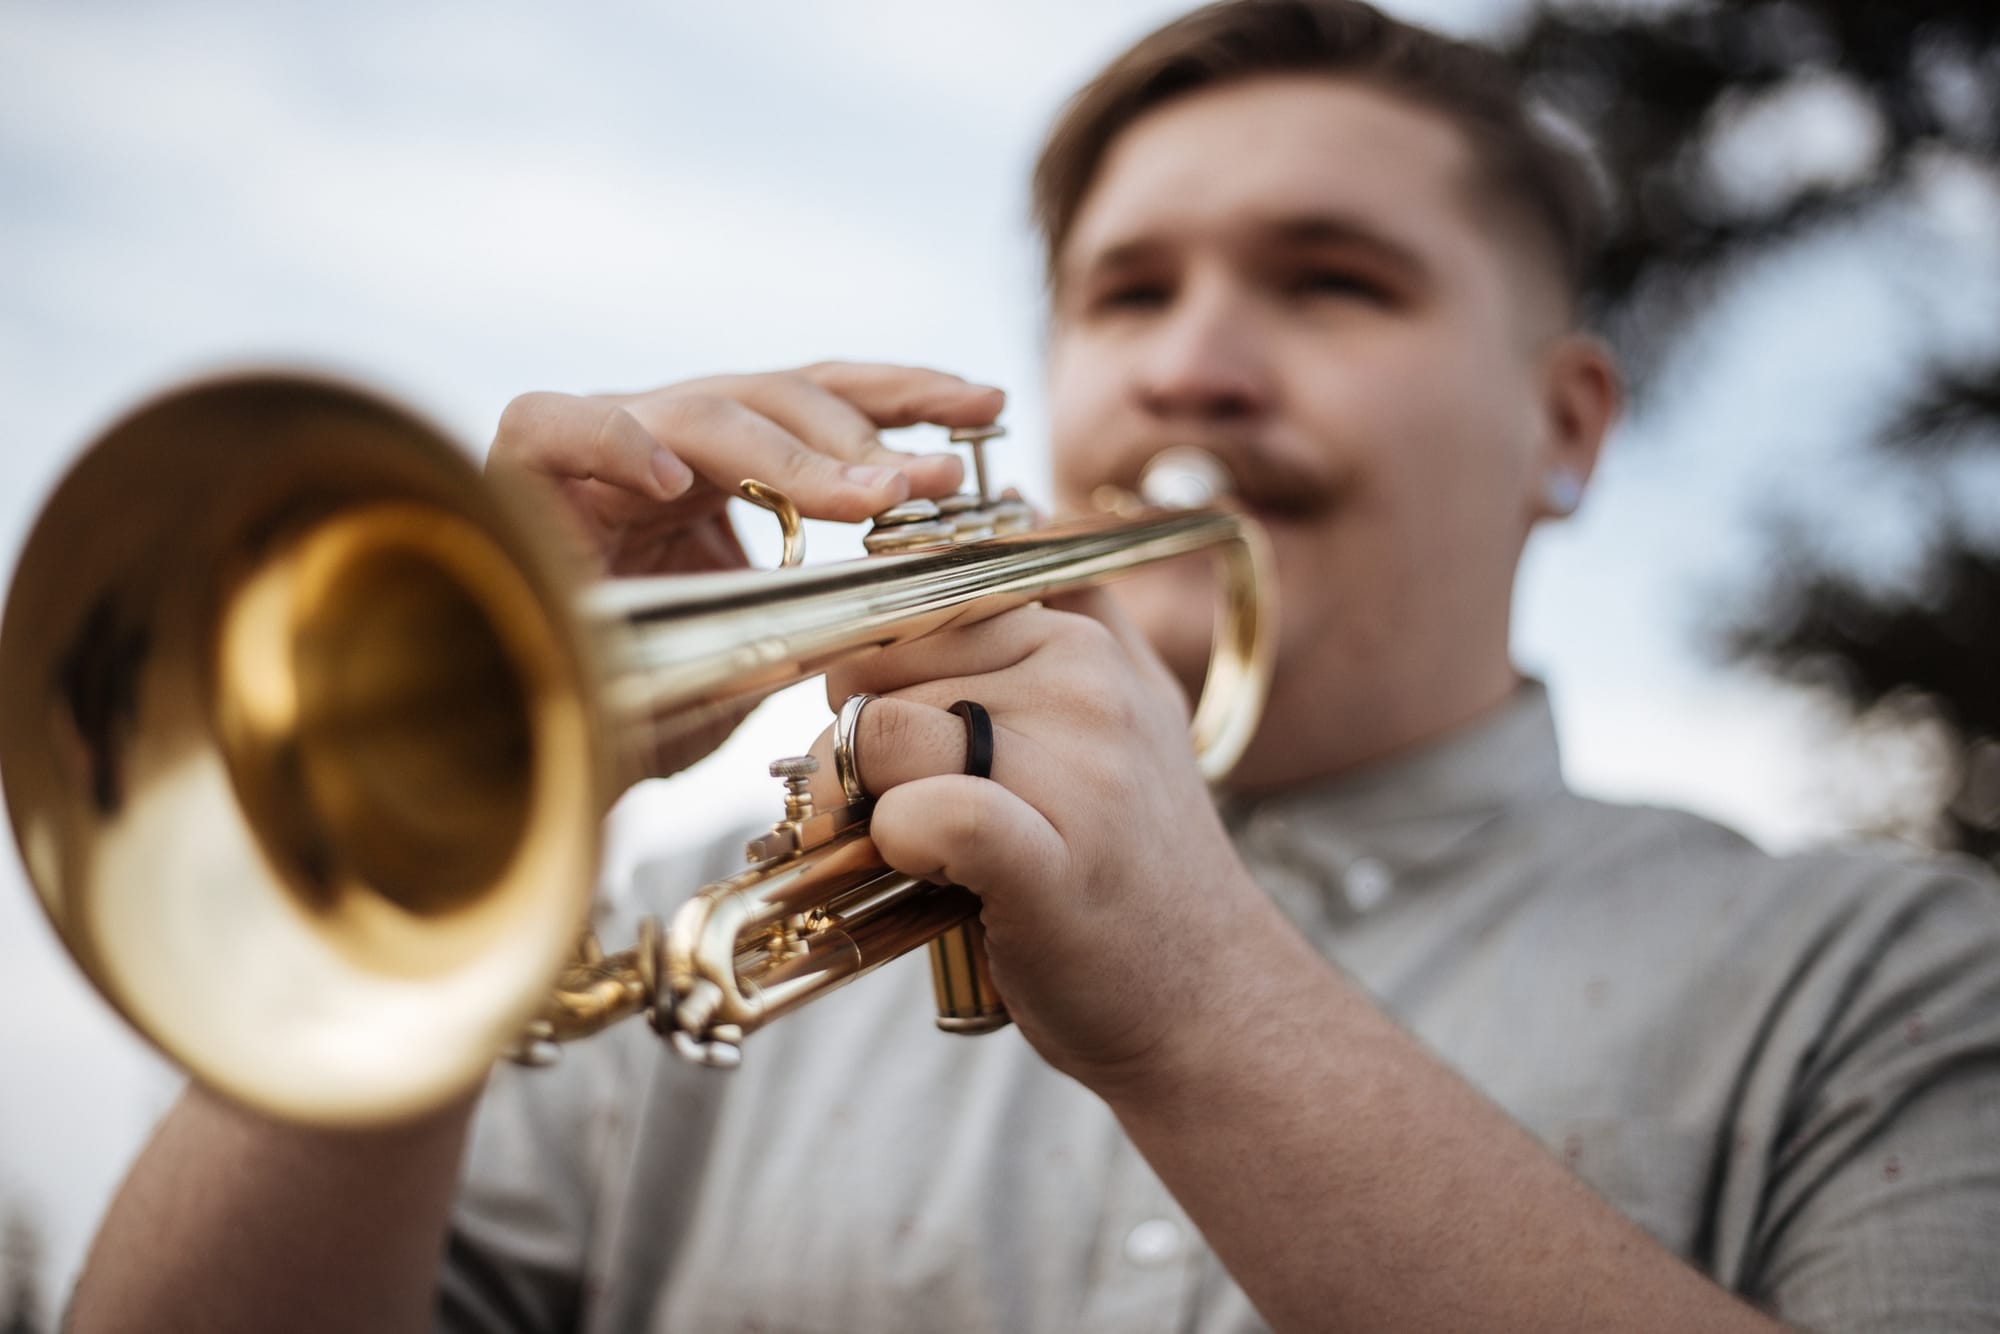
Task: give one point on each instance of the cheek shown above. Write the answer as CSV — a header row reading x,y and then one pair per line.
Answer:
x,y
1429,432
1444,439
1082,396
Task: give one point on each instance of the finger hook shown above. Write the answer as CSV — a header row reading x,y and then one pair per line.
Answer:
x,y
780,504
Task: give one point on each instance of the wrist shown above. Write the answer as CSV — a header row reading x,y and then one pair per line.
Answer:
x,y
1237,994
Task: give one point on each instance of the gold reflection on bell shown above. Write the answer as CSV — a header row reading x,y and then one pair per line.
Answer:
x,y
307,732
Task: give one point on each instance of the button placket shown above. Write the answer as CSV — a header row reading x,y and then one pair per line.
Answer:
x,y
1144,1275
1153,1242
1365,883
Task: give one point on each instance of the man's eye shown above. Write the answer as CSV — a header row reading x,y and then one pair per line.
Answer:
x,y
1132,296
1336,283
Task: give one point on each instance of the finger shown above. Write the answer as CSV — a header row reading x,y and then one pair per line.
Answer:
x,y
965,831
549,435
693,543
726,442
965,647
899,740
909,395
830,424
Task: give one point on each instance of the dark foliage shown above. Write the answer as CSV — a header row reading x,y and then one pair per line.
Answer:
x,y
1936,648
1650,89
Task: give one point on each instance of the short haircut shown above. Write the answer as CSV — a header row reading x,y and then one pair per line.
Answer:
x,y
1540,181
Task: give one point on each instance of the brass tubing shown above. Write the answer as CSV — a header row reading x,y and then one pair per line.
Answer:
x,y
861,946
962,980
701,640
308,729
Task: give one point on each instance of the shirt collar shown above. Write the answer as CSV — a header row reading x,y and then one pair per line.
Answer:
x,y
1359,838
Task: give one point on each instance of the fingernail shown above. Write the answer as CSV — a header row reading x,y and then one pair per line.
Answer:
x,y
673,476
872,477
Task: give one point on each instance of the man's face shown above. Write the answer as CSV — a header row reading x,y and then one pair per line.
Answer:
x,y
1294,274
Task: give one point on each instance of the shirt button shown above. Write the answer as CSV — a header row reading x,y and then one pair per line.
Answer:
x,y
1269,827
1153,1242
1366,883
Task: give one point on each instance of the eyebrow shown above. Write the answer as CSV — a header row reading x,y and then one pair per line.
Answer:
x,y
1296,230
1313,229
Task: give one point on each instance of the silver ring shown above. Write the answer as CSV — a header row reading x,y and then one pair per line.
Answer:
x,y
843,748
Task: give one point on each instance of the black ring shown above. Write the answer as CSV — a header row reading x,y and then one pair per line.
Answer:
x,y
978,738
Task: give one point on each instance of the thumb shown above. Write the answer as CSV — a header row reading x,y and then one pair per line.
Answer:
x,y
972,832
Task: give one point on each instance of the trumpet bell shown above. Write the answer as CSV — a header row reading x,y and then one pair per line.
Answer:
x,y
307,731
286,630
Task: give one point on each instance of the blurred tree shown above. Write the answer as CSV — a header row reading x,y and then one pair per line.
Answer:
x,y
1670,94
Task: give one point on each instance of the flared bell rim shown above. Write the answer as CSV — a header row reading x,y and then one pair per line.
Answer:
x,y
110,756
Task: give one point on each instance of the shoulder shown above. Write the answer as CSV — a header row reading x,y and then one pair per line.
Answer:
x,y
1816,960
1656,854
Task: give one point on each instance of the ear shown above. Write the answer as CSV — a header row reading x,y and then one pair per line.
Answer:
x,y
1581,396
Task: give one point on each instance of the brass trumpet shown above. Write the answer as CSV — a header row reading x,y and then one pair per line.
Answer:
x,y
308,730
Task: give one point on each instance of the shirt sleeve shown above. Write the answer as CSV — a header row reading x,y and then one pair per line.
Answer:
x,y
1882,1209
540,1188
514,1258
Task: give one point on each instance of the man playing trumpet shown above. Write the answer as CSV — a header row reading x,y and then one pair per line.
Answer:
x,y
1397,1035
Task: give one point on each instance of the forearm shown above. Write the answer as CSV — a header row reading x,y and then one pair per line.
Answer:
x,y
229,1222
1348,1179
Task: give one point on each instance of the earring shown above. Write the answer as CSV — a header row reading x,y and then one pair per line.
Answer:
x,y
1562,491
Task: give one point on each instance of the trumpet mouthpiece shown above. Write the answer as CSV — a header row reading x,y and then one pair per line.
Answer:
x,y
1184,477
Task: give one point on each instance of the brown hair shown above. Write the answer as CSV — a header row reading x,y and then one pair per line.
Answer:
x,y
1544,183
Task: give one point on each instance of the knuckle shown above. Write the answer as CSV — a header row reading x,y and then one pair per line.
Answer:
x,y
1101,700
1104,708
519,408
614,426
972,818
859,440
1081,637
717,396
525,414
696,410
758,391
894,730
704,421
812,467
829,375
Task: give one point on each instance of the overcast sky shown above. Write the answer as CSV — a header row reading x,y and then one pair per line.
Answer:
x,y
461,202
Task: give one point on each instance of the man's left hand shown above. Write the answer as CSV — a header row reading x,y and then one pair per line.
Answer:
x,y
1113,900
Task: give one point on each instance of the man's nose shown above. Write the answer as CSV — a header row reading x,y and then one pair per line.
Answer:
x,y
1204,361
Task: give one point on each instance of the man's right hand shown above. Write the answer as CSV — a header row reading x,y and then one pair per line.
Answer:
x,y
643,478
